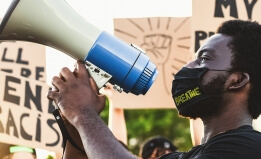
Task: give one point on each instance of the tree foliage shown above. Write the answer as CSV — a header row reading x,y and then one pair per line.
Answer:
x,y
144,123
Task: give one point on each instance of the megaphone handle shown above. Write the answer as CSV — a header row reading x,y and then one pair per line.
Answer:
x,y
64,131
100,77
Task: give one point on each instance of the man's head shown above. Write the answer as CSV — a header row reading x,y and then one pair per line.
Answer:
x,y
232,60
246,56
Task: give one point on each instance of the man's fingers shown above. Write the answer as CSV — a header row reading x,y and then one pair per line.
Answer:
x,y
55,89
66,74
57,83
53,95
81,70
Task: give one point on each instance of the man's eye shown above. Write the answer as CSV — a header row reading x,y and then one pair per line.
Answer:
x,y
203,59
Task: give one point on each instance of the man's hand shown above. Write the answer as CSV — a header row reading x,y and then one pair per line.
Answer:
x,y
78,98
75,93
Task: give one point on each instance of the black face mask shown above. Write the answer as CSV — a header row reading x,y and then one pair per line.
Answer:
x,y
186,87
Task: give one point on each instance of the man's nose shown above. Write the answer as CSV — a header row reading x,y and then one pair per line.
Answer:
x,y
191,64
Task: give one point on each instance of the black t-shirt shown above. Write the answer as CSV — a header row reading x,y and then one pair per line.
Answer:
x,y
240,143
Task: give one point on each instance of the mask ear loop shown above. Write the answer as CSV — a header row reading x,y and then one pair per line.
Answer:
x,y
218,70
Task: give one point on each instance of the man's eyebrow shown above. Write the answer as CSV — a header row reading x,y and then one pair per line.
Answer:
x,y
208,50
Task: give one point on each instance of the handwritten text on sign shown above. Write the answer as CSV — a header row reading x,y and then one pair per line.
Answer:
x,y
23,59
205,20
25,114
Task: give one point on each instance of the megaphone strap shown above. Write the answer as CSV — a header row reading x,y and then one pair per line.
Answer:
x,y
64,131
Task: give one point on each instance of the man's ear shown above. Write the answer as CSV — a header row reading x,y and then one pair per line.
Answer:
x,y
238,80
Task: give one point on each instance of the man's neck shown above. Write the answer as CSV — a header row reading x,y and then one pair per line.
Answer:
x,y
228,120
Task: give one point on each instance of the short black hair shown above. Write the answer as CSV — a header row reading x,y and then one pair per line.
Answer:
x,y
152,143
246,56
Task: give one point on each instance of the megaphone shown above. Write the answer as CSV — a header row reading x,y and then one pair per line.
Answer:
x,y
55,24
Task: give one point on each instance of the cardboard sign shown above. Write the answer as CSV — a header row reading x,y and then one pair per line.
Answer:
x,y
166,41
26,114
23,59
26,117
209,14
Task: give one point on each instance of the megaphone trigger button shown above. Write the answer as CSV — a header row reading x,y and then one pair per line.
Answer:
x,y
97,70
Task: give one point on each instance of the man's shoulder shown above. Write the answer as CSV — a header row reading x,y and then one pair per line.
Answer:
x,y
244,134
240,143
243,142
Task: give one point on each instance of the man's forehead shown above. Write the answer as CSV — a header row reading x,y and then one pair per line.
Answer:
x,y
216,41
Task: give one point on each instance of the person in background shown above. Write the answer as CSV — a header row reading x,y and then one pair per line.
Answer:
x,y
155,147
196,131
20,152
222,87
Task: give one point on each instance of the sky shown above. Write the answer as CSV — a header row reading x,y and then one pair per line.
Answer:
x,y
101,14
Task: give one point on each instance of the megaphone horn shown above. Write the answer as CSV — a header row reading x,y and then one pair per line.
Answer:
x,y
55,24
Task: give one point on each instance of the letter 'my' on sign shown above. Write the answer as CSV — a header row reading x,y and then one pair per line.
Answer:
x,y
205,20
231,4
227,4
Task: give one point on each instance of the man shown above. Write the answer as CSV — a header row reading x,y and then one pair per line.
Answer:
x,y
221,87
